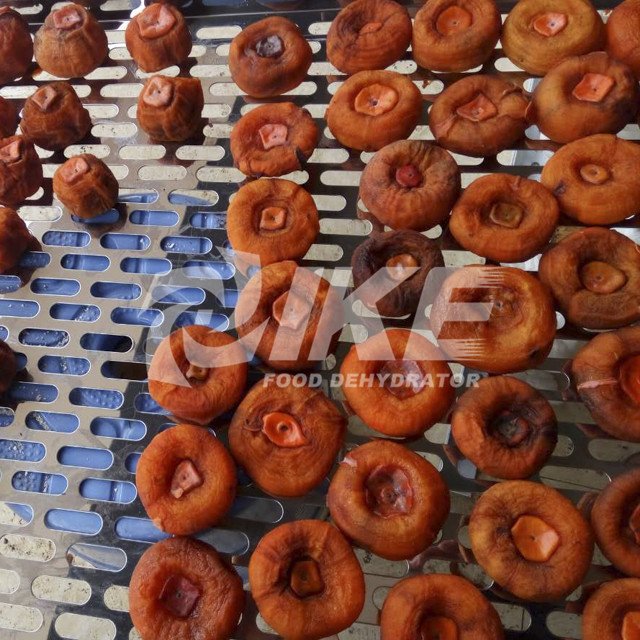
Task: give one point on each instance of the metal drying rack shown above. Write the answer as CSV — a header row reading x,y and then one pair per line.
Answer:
x,y
98,297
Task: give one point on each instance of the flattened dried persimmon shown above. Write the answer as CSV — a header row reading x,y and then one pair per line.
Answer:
x,y
613,611
595,179
271,221
388,499
279,427
410,184
583,96
8,118
170,109
273,139
20,170
479,115
623,34
53,117
405,259
594,275
14,239
374,108
16,47
504,218
531,540
71,42
8,366
401,383
198,373
269,57
303,315
186,480
455,36
438,607
615,518
497,319
158,37
182,589
306,580
86,186
606,374
505,427
367,35
538,34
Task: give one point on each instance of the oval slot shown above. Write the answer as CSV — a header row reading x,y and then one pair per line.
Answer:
x,y
75,312
35,482
108,490
24,451
85,457
86,522
119,428
100,398
63,365
49,421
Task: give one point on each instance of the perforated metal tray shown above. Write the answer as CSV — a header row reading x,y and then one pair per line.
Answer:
x,y
101,296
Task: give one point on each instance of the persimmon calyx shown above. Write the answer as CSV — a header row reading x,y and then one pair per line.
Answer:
x,y
478,110
438,628
11,152
156,21
549,24
273,135
73,170
273,218
595,174
283,430
403,378
186,478
376,100
159,93
453,20
305,579
401,266
388,491
370,27
603,278
512,428
594,87
290,310
534,538
45,97
67,18
506,214
196,373
408,176
179,596
270,47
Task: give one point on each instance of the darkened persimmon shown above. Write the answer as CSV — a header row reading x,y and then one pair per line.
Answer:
x,y
410,184
594,275
170,109
388,499
86,186
405,259
531,540
306,580
374,108
71,42
186,480
623,34
306,435
479,115
367,35
497,319
615,518
270,221
273,139
8,118
14,239
613,611
269,57
505,218
538,34
411,390
8,366
20,170
182,589
198,373
158,37
594,179
53,117
455,36
16,47
303,315
505,427
584,95
438,607
606,374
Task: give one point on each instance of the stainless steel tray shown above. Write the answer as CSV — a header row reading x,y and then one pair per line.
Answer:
x,y
101,296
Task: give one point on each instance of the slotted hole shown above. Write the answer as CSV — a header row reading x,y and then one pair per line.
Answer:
x,y
99,398
50,421
119,428
87,523
75,312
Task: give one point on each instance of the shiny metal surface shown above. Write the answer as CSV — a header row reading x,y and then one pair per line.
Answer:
x,y
66,576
